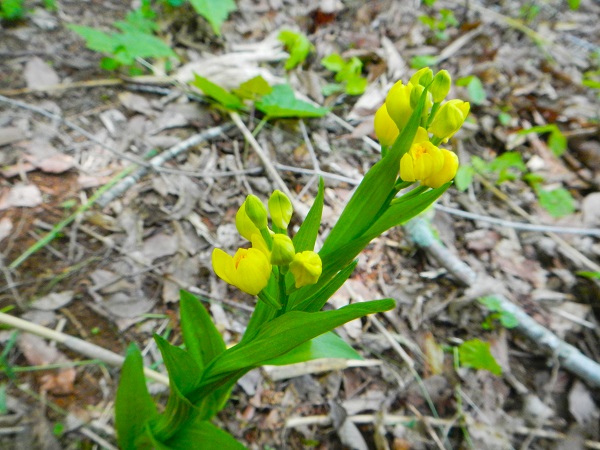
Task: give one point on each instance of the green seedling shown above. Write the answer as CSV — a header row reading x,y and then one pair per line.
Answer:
x,y
297,45
439,23
214,11
506,319
474,88
476,354
589,275
134,41
347,75
12,10
557,142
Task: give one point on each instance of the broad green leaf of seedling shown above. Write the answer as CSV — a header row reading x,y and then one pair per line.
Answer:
x,y
420,61
297,45
557,142
558,202
477,355
253,89
282,103
464,177
214,11
348,75
507,319
474,88
503,164
12,9
217,93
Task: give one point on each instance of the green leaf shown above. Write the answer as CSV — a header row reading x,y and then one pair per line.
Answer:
x,y
574,4
284,333
477,355
214,11
282,102
216,92
313,298
297,45
356,85
133,405
328,345
135,44
95,40
418,62
203,434
306,237
558,202
350,69
557,142
507,319
202,339
372,195
474,88
333,62
464,177
332,88
589,275
253,88
12,9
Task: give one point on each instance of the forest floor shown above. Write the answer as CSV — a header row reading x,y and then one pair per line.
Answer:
x,y
112,275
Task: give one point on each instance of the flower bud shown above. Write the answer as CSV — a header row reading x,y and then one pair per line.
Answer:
x,y
440,86
449,119
385,128
422,77
446,173
283,250
281,209
397,103
415,96
244,225
256,211
306,268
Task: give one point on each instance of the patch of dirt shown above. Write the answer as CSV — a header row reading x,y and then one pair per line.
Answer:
x,y
125,262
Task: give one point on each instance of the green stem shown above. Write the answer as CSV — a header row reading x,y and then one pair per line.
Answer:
x,y
434,110
416,191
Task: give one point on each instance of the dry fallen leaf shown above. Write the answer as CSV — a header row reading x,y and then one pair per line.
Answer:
x,y
38,74
21,195
39,353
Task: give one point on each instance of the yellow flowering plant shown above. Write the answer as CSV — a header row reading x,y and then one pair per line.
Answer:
x,y
291,278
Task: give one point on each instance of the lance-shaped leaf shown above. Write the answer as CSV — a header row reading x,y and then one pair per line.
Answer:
x,y
216,92
284,333
201,434
134,407
376,190
202,339
281,102
328,345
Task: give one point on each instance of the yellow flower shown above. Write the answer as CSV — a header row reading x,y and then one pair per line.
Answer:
x,y
244,225
283,250
385,128
449,119
306,268
446,173
281,209
249,270
397,103
422,160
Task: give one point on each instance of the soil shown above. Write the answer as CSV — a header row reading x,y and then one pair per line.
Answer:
x,y
120,266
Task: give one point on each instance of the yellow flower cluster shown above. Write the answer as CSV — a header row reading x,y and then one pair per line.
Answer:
x,y
425,161
250,269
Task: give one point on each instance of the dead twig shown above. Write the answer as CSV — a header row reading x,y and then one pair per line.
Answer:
x,y
393,420
419,231
78,345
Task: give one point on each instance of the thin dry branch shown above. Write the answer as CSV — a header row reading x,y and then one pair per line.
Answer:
x,y
419,231
78,345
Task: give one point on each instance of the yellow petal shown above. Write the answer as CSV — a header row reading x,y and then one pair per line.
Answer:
x,y
446,173
244,225
385,128
398,104
223,265
253,272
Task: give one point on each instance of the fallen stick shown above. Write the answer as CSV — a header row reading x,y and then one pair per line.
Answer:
x,y
77,345
419,231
